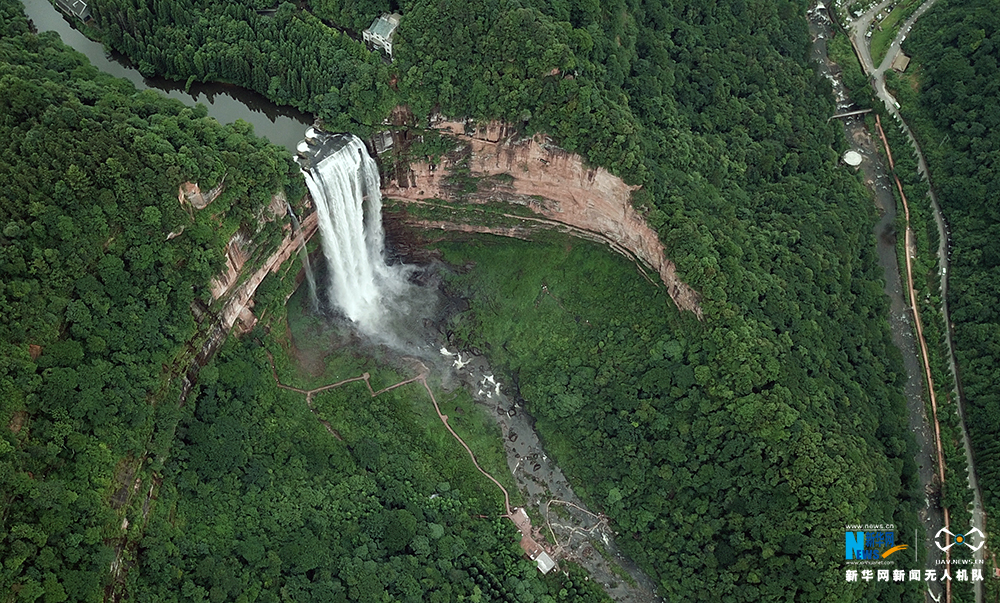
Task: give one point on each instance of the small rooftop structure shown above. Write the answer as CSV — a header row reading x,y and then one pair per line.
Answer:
x,y
535,552
545,563
901,62
529,545
379,34
852,158
74,8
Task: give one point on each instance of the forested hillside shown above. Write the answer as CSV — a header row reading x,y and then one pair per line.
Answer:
x,y
95,302
688,100
957,120
730,452
261,503
289,56
109,487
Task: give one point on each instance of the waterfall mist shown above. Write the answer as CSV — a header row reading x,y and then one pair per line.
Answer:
x,y
375,295
310,277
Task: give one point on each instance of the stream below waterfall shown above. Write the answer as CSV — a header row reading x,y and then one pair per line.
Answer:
x,y
577,533
382,302
540,480
877,178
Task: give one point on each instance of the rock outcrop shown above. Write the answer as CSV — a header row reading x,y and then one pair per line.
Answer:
x,y
553,183
190,193
240,296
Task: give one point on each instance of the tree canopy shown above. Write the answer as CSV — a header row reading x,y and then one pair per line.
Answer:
x,y
95,299
729,453
955,114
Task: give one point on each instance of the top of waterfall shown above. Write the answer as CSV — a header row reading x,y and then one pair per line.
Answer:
x,y
319,145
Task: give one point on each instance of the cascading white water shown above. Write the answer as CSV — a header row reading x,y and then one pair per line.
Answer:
x,y
310,277
345,188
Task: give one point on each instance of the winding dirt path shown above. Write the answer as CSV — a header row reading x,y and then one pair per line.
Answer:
x,y
422,378
601,522
444,419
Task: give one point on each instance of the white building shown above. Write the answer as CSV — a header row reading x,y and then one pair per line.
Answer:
x,y
380,33
544,562
75,8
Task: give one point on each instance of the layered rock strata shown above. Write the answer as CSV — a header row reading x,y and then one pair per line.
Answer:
x,y
240,297
553,183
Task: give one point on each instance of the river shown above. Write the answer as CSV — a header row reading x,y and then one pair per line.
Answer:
x,y
877,177
573,531
225,102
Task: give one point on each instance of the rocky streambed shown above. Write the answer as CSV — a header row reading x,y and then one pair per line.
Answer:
x,y
570,529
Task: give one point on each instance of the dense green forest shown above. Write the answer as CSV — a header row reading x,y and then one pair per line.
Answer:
x,y
955,115
260,503
244,497
725,479
289,56
729,453
95,302
624,84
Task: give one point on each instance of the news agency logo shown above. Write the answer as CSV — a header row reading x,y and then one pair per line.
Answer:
x,y
870,545
974,539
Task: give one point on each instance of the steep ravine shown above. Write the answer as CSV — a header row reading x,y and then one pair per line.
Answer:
x,y
563,194
554,184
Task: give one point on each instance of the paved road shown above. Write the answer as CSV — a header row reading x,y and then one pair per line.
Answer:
x,y
877,78
878,178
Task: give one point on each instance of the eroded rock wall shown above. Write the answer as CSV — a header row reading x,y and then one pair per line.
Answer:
x,y
240,297
553,183
190,193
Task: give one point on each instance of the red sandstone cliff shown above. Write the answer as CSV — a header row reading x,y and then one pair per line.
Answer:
x,y
190,193
553,183
240,298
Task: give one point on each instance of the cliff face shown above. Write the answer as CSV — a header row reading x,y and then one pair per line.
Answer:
x,y
553,183
240,297
190,193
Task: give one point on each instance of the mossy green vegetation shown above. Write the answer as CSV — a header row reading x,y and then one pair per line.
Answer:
x,y
841,53
647,411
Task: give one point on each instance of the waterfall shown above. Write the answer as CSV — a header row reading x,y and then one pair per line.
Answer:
x,y
344,182
296,227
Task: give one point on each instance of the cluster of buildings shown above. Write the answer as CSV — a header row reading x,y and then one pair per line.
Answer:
x,y
529,545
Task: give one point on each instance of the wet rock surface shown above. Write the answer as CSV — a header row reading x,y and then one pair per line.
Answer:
x,y
571,530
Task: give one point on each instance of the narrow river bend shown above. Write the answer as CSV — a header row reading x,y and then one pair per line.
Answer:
x,y
226,103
